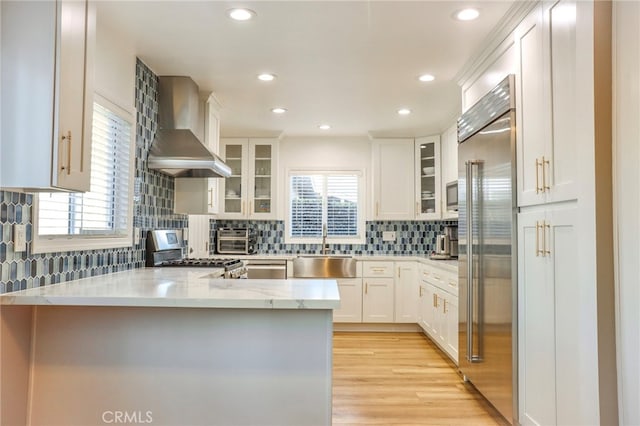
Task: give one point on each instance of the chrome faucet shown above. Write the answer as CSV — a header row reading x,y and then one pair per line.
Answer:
x,y
324,239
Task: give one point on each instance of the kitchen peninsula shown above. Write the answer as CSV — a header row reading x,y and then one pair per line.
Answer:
x,y
168,346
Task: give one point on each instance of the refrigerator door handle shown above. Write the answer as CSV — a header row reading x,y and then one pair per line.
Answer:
x,y
471,356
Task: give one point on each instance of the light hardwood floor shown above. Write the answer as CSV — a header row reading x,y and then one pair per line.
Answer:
x,y
401,379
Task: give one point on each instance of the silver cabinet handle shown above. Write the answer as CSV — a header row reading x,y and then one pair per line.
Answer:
x,y
210,197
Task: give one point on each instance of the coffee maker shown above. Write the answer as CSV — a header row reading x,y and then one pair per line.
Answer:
x,y
447,243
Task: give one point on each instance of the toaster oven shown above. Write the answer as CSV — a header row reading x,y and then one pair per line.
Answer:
x,y
235,241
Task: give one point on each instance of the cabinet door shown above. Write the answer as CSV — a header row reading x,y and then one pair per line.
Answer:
x,y
536,325
427,184
234,189
377,301
450,309
199,236
439,320
566,77
393,179
75,96
407,292
212,141
573,405
426,308
262,172
532,109
449,167
350,301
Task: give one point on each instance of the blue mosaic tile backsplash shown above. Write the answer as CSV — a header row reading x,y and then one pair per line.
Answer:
x,y
153,208
412,238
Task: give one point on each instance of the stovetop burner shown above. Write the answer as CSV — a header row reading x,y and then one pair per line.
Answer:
x,y
227,264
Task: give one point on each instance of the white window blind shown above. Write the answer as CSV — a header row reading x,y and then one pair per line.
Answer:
x,y
104,210
323,199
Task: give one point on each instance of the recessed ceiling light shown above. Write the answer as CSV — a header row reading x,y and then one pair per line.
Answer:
x,y
241,14
279,110
426,77
467,14
266,77
324,127
404,111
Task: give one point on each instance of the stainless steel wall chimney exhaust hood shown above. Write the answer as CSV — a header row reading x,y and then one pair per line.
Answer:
x,y
176,150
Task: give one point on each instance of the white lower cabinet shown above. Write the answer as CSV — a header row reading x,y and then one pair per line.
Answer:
x,y
451,326
407,294
439,308
425,315
350,300
377,300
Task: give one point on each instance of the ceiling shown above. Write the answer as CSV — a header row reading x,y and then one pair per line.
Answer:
x,y
351,64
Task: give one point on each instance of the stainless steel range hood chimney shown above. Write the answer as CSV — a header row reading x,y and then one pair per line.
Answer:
x,y
176,150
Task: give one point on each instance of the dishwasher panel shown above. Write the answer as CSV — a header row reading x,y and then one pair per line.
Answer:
x,y
266,269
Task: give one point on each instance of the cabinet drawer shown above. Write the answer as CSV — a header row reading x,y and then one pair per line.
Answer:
x,y
443,280
377,269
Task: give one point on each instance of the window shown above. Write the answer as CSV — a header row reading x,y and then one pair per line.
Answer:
x,y
102,217
325,199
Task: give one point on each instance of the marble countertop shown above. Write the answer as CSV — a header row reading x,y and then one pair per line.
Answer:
x,y
450,265
181,288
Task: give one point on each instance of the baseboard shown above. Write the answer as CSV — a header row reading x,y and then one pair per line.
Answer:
x,y
377,327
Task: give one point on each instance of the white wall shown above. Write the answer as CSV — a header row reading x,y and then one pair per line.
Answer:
x,y
115,66
626,157
330,153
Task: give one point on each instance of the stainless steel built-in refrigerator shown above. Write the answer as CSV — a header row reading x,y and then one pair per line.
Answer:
x,y
487,247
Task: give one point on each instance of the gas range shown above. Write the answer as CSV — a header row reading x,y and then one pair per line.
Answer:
x,y
164,249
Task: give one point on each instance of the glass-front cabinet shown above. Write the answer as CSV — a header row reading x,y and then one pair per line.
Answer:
x,y
249,191
262,179
427,170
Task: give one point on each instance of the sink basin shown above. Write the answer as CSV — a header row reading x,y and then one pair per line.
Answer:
x,y
324,266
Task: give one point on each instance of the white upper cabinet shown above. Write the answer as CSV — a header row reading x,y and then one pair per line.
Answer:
x,y
393,179
47,95
200,195
427,178
249,193
198,246
546,104
449,169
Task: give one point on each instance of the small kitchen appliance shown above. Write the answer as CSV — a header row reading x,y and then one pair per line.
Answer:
x,y
164,249
447,244
235,241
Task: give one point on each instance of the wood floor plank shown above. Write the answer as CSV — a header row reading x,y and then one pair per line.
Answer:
x,y
399,379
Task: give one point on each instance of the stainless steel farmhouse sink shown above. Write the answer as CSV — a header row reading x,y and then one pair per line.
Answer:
x,y
324,266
